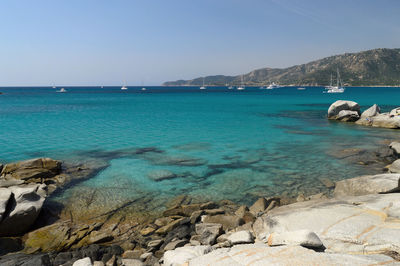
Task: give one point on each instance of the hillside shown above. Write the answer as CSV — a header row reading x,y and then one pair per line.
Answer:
x,y
372,67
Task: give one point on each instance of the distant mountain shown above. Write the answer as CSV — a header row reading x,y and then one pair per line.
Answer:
x,y
373,67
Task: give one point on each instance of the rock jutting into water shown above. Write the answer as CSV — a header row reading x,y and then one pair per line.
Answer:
x,y
349,111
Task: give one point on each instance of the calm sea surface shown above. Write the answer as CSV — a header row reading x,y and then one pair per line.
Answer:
x,y
220,143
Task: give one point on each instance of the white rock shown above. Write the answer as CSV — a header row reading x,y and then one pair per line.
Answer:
x,y
395,146
348,116
395,167
182,255
367,223
370,184
395,112
241,237
83,262
261,254
303,238
340,105
24,209
372,111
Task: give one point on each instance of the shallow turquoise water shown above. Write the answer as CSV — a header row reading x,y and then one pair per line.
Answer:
x,y
243,143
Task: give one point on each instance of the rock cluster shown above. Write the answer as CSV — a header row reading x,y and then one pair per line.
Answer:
x,y
349,111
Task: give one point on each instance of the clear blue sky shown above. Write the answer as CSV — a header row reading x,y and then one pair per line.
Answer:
x,y
94,42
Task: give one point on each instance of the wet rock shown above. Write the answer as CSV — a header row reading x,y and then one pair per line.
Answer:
x,y
341,105
10,182
21,259
160,222
133,254
172,225
154,244
228,222
241,237
159,175
40,168
21,209
327,182
10,244
372,184
195,217
347,116
214,211
208,205
96,237
182,255
147,231
208,232
183,210
303,238
241,211
83,262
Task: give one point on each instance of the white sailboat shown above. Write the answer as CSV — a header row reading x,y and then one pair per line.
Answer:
x,y
203,87
124,88
335,89
62,90
272,86
241,87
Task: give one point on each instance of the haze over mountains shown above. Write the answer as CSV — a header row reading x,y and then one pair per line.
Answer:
x,y
372,67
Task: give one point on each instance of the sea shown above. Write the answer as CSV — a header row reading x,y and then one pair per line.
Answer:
x,y
213,144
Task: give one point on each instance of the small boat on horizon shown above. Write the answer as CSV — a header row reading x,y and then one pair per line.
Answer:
x,y
272,86
62,90
301,88
203,87
143,89
241,87
124,88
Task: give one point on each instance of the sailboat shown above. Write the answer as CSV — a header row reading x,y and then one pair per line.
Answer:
x,y
62,90
203,87
335,89
124,88
241,87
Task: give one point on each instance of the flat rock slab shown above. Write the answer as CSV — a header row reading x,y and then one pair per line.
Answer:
x,y
261,254
358,225
370,184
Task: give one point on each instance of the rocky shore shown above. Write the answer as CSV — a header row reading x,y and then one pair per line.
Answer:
x,y
357,222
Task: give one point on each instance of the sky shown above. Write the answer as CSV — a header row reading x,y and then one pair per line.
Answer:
x,y
136,42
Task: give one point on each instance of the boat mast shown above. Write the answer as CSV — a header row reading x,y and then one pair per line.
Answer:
x,y
338,77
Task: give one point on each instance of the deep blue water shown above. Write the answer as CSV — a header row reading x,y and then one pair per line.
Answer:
x,y
242,144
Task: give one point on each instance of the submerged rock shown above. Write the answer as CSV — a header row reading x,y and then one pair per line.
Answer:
x,y
159,175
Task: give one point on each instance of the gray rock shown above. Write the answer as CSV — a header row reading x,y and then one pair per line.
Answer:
x,y
228,222
98,263
175,244
208,232
182,255
83,262
327,182
395,146
10,182
241,237
340,105
261,254
132,262
159,175
5,195
385,121
372,111
303,238
24,207
347,116
371,184
364,224
395,167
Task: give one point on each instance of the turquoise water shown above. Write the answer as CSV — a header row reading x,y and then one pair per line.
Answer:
x,y
220,144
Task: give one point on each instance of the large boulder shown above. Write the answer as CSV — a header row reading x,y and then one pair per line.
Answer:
x,y
340,105
395,112
36,169
372,111
364,224
22,208
347,116
370,184
208,232
395,167
385,121
395,146
261,254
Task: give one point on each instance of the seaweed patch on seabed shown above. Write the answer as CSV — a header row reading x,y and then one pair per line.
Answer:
x,y
193,146
121,153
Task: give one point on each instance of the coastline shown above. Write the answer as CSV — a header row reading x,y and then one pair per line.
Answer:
x,y
127,232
